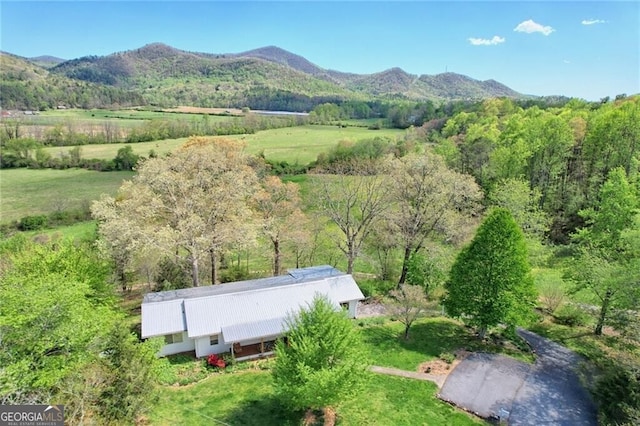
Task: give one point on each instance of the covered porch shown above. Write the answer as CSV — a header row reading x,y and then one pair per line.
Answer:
x,y
244,352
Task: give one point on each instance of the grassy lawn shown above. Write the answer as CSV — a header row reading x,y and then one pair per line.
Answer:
x,y
248,398
25,192
428,339
293,144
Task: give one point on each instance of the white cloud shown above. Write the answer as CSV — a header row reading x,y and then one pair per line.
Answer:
x,y
530,26
593,21
486,41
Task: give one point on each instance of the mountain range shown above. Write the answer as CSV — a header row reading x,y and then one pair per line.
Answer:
x,y
268,77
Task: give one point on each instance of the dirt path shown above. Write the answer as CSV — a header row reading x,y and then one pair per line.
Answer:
x,y
438,379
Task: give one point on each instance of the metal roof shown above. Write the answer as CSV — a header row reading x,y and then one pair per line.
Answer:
x,y
248,310
208,315
293,276
253,330
162,318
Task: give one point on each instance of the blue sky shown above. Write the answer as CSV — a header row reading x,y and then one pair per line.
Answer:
x,y
584,49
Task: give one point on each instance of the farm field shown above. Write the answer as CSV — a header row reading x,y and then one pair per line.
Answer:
x,y
25,192
292,144
122,115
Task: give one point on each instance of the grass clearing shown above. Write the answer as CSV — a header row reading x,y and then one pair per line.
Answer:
x,y
429,338
78,231
109,151
25,192
248,398
300,144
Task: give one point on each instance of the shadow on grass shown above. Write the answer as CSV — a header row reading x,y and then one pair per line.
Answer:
x,y
262,411
432,338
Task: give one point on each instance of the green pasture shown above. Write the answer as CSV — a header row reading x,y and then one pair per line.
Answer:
x,y
292,144
126,118
109,151
123,114
25,192
303,144
78,231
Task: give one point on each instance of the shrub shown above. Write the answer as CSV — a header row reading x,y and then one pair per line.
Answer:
x,y
215,361
233,274
172,276
33,223
376,288
552,297
447,357
571,315
617,393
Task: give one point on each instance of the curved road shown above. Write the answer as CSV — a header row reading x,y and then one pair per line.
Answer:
x,y
548,392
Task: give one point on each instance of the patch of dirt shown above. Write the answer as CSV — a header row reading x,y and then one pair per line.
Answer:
x,y
372,309
439,367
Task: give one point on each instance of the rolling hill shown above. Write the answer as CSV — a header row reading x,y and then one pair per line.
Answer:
x,y
27,86
264,78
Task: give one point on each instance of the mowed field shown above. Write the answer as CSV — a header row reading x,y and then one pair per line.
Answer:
x,y
25,192
293,144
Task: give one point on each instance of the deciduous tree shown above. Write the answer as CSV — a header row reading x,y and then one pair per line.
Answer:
x,y
430,200
322,361
354,203
186,205
408,303
607,263
278,205
490,281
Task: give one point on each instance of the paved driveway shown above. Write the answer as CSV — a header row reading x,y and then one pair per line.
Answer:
x,y
545,393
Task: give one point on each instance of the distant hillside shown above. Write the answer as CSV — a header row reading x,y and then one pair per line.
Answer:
x,y
394,81
27,86
264,78
46,61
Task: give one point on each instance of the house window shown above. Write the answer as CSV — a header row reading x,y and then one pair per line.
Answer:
x,y
173,338
213,340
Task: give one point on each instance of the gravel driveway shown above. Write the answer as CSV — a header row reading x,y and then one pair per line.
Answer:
x,y
545,393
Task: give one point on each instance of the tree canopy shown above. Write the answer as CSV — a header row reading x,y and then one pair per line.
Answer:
x,y
321,363
607,261
490,281
185,205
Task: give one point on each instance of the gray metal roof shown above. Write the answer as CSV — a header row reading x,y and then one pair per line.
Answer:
x,y
248,309
293,276
208,315
253,330
162,318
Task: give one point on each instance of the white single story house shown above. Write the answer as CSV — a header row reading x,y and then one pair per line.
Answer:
x,y
245,317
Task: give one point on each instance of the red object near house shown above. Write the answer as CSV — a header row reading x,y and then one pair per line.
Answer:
x,y
215,361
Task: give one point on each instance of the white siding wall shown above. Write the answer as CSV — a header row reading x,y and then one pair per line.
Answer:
x,y
175,348
203,348
353,308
